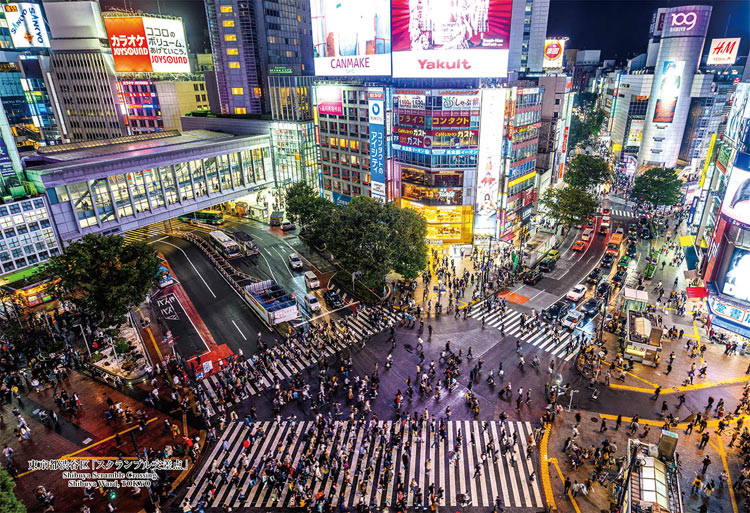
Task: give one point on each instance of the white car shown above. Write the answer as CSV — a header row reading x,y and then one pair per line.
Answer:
x,y
572,319
576,293
295,262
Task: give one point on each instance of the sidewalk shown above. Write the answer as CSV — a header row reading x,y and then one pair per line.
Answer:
x,y
85,435
590,437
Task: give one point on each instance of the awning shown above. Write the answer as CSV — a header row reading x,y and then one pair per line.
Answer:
x,y
687,240
508,237
696,292
691,259
719,322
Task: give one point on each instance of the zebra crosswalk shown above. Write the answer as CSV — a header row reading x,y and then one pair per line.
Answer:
x,y
623,213
472,461
362,326
536,337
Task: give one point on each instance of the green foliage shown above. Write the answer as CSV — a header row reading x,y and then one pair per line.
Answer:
x,y
365,235
585,171
581,129
585,101
568,205
9,503
104,277
659,186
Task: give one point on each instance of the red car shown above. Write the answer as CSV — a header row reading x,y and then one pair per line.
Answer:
x,y
578,246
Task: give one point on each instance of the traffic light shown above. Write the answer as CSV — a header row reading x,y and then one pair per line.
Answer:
x,y
112,495
95,345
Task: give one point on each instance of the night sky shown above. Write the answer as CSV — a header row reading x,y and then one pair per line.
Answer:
x,y
619,28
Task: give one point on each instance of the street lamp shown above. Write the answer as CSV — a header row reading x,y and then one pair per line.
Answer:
x,y
570,403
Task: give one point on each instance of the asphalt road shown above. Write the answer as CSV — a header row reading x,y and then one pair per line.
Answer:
x,y
225,314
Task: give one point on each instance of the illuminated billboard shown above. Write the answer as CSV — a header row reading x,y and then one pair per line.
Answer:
x,y
636,133
330,100
738,121
450,39
723,51
554,50
26,25
686,21
490,161
670,80
351,37
737,278
143,44
736,204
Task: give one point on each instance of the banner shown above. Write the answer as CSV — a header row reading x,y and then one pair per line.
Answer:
x,y
489,161
376,114
670,80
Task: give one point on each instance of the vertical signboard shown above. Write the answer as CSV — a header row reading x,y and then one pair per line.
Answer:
x,y
490,160
26,25
668,90
376,117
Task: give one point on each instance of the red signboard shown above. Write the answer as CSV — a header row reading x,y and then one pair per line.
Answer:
x,y
129,44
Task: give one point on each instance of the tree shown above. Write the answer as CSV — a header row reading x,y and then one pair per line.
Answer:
x,y
300,207
9,503
409,229
586,100
568,205
659,186
585,171
360,240
104,277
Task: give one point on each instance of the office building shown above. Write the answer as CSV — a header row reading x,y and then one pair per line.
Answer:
x,y
557,110
584,68
156,105
252,41
83,73
528,31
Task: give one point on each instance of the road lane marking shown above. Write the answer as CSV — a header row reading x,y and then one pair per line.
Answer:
x,y
238,329
268,264
191,265
282,259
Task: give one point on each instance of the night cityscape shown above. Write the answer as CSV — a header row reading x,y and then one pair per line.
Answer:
x,y
336,256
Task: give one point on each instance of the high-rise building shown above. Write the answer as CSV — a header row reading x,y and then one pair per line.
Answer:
x,y
43,109
252,40
156,105
528,30
680,48
557,108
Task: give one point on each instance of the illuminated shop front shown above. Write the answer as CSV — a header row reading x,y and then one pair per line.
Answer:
x,y
435,147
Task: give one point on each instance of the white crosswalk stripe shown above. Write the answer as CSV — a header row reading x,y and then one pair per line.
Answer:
x,y
375,458
536,337
623,213
362,326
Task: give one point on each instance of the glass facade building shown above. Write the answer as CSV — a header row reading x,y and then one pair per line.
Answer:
x,y
27,235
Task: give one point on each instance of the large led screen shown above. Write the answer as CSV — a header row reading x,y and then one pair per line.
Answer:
x,y
736,204
351,37
670,81
737,279
451,38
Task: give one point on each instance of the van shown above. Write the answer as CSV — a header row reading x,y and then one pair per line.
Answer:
x,y
586,235
311,280
312,303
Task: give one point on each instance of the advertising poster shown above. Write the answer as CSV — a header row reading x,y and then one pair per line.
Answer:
x,y
554,51
737,279
376,107
351,37
26,25
330,100
668,91
450,39
489,161
636,133
736,204
723,51
143,44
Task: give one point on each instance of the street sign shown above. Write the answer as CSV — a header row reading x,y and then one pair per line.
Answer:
x,y
208,366
199,375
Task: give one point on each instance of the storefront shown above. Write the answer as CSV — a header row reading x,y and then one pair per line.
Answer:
x,y
728,323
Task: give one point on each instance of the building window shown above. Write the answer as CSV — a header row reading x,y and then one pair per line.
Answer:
x,y
238,90
230,37
233,51
240,110
226,8
234,65
228,23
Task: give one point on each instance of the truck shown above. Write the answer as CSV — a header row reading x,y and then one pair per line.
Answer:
x,y
271,302
537,248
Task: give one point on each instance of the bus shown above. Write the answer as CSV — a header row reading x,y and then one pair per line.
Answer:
x,y
613,246
224,244
246,242
214,217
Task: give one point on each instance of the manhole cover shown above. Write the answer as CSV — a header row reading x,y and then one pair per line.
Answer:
x,y
594,419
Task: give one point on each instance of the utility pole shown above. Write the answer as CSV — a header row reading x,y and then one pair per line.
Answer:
x,y
570,403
